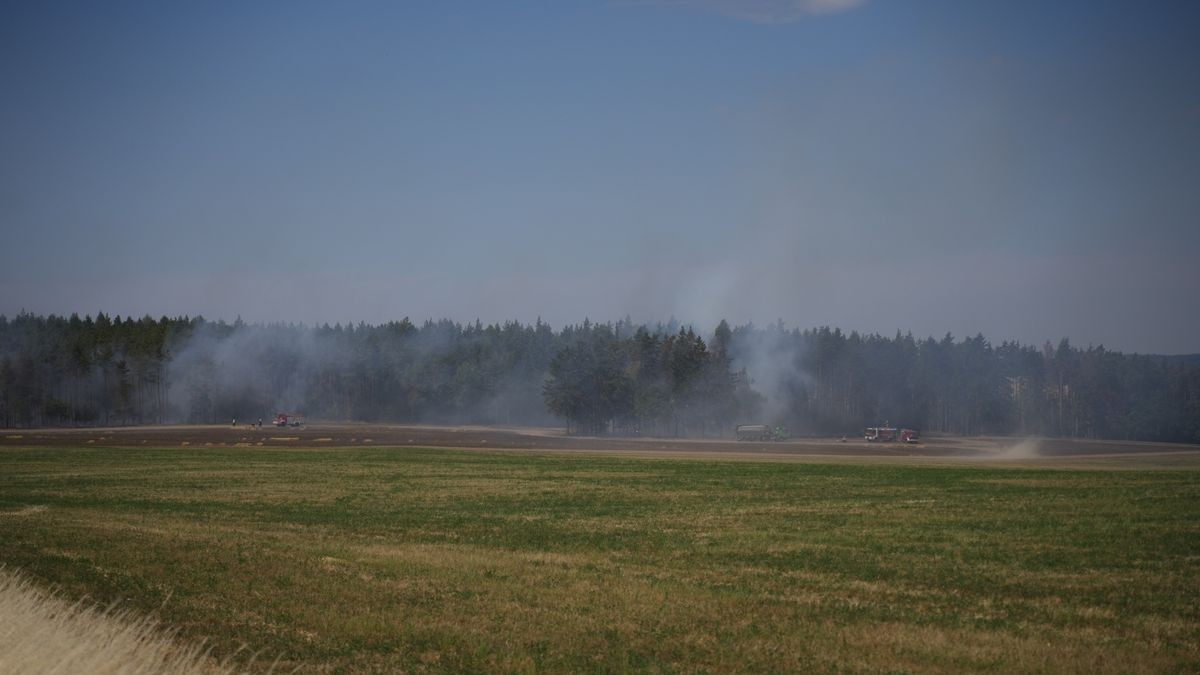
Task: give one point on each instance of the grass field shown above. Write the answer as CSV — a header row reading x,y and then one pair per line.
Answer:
x,y
410,559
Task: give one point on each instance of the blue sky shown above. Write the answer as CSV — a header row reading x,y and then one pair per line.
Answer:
x,y
1025,170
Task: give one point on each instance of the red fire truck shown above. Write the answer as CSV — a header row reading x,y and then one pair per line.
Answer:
x,y
286,420
890,435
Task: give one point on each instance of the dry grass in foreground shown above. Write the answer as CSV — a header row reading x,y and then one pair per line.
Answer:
x,y
42,633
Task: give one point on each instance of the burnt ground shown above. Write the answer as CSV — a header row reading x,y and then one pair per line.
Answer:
x,y
547,439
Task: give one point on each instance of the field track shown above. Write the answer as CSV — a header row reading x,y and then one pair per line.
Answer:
x,y
323,435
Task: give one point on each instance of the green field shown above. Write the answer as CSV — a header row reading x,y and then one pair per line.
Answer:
x,y
409,559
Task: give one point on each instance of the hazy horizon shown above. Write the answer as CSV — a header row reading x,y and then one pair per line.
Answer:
x,y
1023,172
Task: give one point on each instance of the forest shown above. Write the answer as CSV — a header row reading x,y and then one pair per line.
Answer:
x,y
616,378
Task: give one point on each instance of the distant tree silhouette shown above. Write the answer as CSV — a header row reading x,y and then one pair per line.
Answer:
x,y
599,378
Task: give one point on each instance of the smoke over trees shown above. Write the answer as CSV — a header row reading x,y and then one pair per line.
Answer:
x,y
597,377
650,383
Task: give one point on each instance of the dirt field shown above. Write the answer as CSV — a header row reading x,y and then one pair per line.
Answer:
x,y
322,435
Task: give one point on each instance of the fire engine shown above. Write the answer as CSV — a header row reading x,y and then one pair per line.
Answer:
x,y
890,435
286,420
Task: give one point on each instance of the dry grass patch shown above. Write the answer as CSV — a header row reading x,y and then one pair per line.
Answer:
x,y
42,633
894,647
23,511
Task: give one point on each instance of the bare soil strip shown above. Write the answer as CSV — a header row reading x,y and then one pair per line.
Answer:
x,y
549,439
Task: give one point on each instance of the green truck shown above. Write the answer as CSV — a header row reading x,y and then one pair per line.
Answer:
x,y
761,432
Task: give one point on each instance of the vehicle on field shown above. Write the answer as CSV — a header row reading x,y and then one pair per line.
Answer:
x,y
754,432
891,435
880,434
287,420
761,432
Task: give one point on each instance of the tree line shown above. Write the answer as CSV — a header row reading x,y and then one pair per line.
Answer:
x,y
598,378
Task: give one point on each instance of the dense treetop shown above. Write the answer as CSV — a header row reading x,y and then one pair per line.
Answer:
x,y
614,377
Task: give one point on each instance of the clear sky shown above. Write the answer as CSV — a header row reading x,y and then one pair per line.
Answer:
x,y
1028,170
